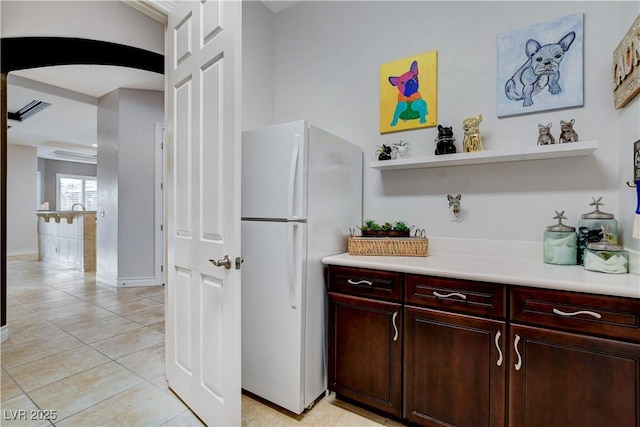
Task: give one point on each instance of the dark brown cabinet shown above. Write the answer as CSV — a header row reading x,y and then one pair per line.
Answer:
x,y
454,363
454,369
365,338
565,379
574,359
440,351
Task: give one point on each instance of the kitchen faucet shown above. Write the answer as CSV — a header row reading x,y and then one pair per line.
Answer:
x,y
78,204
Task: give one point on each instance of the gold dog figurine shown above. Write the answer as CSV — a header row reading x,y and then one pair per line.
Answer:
x,y
472,141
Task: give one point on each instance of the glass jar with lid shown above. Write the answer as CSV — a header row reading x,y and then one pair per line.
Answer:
x,y
596,226
560,243
606,257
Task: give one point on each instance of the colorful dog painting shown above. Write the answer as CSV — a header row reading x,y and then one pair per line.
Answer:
x,y
408,93
410,105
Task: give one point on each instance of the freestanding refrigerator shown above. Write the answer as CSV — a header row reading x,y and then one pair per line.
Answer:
x,y
301,192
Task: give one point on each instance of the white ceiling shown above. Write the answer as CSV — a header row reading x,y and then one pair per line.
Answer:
x,y
69,124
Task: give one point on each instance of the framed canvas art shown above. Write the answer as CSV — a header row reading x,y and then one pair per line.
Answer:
x,y
408,93
540,67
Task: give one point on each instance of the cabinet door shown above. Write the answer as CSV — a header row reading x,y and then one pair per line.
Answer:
x,y
564,379
454,372
365,351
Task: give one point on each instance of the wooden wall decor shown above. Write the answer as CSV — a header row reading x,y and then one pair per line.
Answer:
x,y
625,79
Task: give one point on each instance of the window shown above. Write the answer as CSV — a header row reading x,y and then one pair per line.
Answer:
x,y
72,189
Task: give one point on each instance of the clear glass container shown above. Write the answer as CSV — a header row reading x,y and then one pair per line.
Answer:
x,y
606,258
594,227
560,244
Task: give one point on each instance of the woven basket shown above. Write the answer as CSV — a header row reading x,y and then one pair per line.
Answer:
x,y
410,246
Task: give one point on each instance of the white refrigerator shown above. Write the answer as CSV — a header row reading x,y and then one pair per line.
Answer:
x,y
301,192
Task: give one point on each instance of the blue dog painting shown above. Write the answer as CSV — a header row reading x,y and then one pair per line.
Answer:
x,y
540,67
540,71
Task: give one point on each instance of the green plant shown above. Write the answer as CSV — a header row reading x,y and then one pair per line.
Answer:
x,y
370,225
387,226
401,226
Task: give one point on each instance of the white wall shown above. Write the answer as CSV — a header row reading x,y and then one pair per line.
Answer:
x,y
629,133
258,65
126,231
97,20
140,110
327,71
22,231
107,172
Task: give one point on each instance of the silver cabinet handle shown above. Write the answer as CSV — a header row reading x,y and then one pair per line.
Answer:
x,y
360,282
224,262
395,316
518,365
498,335
452,294
575,313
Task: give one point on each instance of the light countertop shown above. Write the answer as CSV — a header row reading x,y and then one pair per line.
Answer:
x,y
512,271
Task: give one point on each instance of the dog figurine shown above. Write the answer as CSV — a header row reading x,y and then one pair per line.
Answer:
x,y
472,141
384,152
445,140
542,69
567,134
410,104
545,137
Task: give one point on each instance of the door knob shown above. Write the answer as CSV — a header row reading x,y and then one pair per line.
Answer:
x,y
224,262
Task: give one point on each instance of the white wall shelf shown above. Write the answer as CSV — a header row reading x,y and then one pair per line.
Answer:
x,y
535,152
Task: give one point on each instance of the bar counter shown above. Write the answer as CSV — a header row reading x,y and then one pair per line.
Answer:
x,y
68,238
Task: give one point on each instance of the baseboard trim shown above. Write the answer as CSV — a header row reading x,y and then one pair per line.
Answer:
x,y
4,333
22,252
107,280
133,282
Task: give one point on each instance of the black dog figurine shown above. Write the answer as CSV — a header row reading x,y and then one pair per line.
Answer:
x,y
445,140
384,152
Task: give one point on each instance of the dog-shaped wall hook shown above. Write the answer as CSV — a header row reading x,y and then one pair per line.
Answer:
x,y
410,104
454,203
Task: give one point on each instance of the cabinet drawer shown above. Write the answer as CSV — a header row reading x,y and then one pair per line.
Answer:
x,y
379,284
605,316
464,296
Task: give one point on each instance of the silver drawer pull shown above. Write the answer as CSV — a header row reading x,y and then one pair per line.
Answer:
x,y
360,282
518,364
452,294
499,363
576,313
395,316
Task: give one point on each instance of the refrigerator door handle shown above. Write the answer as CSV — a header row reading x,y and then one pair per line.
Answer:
x,y
293,167
291,266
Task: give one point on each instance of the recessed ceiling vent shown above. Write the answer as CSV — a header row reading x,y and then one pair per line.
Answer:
x,y
28,110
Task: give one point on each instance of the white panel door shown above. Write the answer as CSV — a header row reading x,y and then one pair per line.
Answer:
x,y
203,358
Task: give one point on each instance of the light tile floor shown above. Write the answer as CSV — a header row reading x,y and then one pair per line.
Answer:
x,y
95,355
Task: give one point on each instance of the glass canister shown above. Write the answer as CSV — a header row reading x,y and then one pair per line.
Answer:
x,y
606,258
560,243
596,226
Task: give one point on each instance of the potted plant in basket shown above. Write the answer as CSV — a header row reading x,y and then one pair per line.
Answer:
x,y
370,228
400,229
